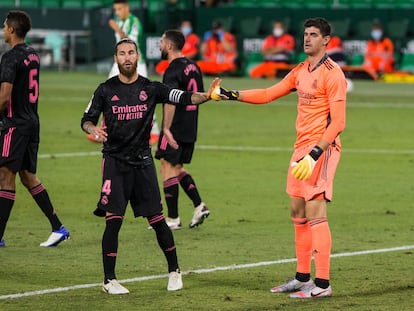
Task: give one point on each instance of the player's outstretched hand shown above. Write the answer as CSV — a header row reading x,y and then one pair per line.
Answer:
x,y
214,85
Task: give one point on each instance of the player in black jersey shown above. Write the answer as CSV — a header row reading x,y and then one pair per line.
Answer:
x,y
127,102
19,126
180,123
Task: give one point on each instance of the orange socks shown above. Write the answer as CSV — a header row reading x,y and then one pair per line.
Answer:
x,y
303,243
322,242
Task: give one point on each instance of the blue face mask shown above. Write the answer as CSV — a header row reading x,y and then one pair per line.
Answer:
x,y
186,30
376,34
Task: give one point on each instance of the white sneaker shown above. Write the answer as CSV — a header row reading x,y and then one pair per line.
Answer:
x,y
200,213
313,292
56,237
175,281
113,287
173,223
292,285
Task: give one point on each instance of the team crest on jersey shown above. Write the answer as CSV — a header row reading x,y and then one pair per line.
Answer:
x,y
315,84
143,96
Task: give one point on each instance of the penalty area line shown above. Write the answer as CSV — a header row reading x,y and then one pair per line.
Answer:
x,y
209,270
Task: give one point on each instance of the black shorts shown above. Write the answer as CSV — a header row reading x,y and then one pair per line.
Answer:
x,y
182,155
123,183
19,152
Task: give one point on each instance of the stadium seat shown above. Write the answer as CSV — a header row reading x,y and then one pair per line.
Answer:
x,y
245,3
253,59
300,57
397,29
29,3
361,4
363,29
249,26
318,4
50,3
341,27
404,4
72,4
357,59
7,3
292,4
407,62
90,4
384,4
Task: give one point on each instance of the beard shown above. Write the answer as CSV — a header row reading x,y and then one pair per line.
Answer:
x,y
128,72
164,55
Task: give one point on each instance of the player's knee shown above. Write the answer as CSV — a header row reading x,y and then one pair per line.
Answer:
x,y
29,180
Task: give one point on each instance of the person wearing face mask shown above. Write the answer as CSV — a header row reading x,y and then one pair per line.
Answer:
x,y
277,50
379,53
218,50
190,48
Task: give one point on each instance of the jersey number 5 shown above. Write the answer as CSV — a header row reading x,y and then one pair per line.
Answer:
x,y
33,86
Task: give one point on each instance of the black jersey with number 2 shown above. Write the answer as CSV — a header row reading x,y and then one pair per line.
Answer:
x,y
128,113
20,66
185,75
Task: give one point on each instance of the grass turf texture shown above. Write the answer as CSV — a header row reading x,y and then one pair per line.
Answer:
x,y
250,223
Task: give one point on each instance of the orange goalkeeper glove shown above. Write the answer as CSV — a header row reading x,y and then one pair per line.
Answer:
x,y
303,169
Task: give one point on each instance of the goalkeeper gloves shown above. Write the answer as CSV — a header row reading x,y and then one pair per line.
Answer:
x,y
302,169
231,95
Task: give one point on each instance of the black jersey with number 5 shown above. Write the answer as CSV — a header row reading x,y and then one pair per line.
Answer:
x,y
185,75
20,66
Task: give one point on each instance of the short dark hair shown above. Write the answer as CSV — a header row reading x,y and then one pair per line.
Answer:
x,y
176,37
121,1
125,40
20,21
320,23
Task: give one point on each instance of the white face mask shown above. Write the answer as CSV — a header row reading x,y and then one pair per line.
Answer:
x,y
376,34
277,32
186,30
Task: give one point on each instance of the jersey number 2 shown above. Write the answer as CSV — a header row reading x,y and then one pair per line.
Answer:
x,y
33,86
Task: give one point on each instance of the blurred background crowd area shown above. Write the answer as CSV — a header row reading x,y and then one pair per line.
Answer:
x,y
79,28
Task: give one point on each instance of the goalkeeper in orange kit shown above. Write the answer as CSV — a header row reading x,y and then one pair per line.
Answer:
x,y
321,88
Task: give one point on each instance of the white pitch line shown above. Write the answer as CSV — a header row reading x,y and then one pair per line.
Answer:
x,y
232,148
199,271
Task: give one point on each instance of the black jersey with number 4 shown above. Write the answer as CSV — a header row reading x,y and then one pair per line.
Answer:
x,y
128,111
20,66
184,74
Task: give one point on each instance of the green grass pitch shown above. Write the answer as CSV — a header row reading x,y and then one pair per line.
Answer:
x,y
240,167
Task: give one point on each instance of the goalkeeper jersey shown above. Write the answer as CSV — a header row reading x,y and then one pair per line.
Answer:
x,y
132,27
184,74
321,100
128,111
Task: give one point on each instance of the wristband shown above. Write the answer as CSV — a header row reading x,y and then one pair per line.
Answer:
x,y
316,153
232,95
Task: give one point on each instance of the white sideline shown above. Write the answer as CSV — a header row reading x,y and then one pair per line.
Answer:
x,y
233,148
224,268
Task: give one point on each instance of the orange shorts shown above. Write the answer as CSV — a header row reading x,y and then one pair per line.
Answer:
x,y
321,180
